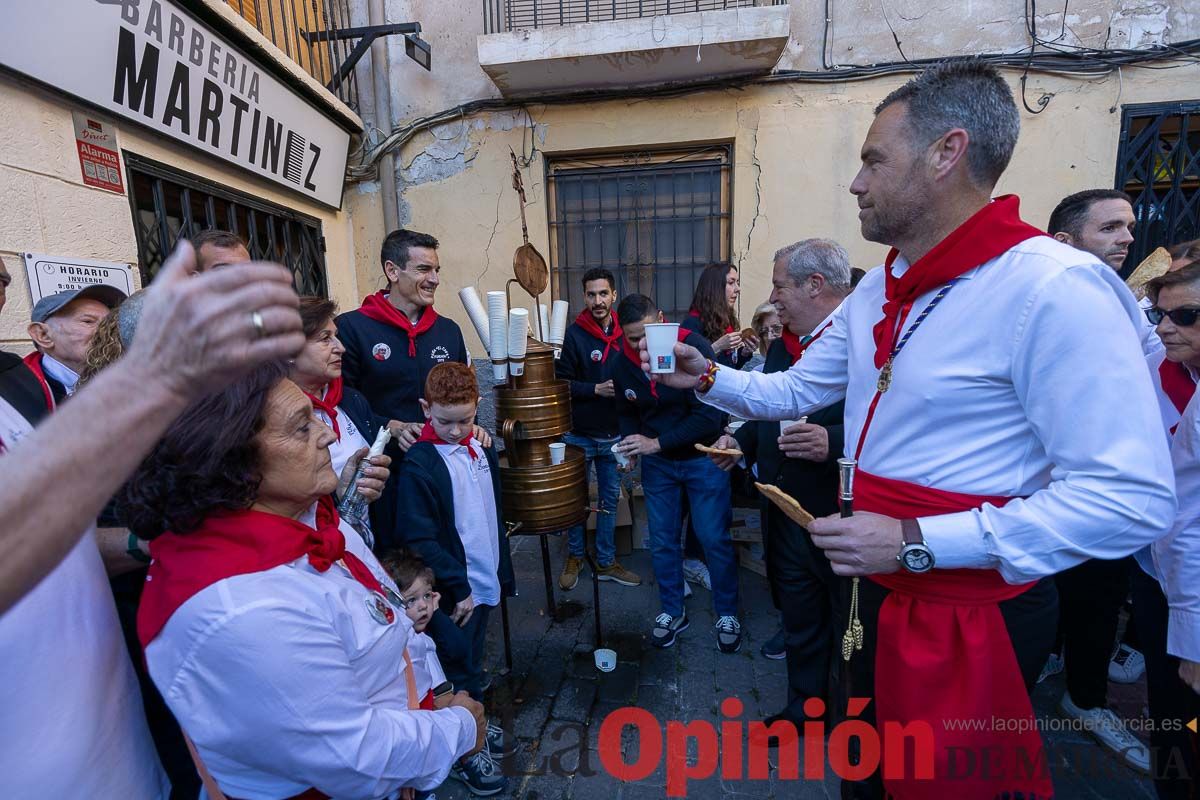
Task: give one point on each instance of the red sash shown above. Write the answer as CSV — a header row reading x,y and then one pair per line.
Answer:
x,y
232,543
943,653
429,435
329,403
1177,385
378,308
586,321
34,362
795,347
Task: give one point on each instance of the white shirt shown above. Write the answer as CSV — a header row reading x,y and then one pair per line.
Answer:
x,y
72,721
284,680
68,377
1026,381
427,669
475,518
1177,555
1148,331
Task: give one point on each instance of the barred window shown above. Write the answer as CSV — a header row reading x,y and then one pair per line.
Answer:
x,y
169,205
1158,165
655,219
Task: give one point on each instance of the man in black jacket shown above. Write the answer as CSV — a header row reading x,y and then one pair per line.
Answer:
x,y
663,426
590,350
810,280
392,342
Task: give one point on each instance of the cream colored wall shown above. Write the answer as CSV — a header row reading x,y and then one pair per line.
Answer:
x,y
796,151
45,207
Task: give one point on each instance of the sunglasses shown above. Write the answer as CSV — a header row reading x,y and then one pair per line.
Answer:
x,y
1183,317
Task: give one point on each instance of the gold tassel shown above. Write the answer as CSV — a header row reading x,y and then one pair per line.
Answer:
x,y
853,638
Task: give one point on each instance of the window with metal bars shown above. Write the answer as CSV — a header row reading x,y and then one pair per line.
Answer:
x,y
655,219
168,206
1158,165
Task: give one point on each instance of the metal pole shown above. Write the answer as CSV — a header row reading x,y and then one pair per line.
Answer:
x,y
380,82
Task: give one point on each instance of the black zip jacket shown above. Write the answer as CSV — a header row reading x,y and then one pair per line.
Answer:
x,y
580,364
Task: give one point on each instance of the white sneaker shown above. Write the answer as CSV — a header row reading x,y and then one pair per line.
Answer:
x,y
1127,665
696,571
1054,666
1104,725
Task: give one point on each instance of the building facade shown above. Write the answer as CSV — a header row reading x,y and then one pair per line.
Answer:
x,y
653,136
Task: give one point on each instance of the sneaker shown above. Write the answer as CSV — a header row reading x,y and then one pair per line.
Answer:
x,y
729,634
1127,665
485,680
775,648
615,572
570,573
480,773
697,572
666,628
1104,725
1054,666
499,743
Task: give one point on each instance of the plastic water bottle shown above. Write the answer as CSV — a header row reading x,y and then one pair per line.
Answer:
x,y
353,507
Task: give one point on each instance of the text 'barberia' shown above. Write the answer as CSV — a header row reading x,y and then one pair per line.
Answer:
x,y
249,134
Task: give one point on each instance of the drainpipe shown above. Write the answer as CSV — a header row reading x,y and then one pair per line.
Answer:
x,y
380,68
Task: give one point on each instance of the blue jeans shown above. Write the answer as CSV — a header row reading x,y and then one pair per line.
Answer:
x,y
608,492
665,481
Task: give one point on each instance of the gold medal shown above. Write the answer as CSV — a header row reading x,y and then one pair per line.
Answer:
x,y
885,377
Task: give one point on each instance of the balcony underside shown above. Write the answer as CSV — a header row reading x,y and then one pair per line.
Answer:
x,y
636,52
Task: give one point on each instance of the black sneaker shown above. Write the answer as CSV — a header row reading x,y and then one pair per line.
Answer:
x,y
665,629
775,648
729,634
499,743
480,773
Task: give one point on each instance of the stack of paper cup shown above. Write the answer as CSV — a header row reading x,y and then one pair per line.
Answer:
x,y
543,333
479,317
498,334
518,324
558,321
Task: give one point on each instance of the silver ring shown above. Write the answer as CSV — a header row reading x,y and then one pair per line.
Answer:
x,y
257,321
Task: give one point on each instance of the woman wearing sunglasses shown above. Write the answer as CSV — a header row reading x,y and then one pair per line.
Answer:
x,y
1166,589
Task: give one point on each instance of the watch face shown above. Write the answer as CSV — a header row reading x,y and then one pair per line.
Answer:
x,y
917,559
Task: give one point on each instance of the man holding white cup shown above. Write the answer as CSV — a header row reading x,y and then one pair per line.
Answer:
x,y
663,426
810,279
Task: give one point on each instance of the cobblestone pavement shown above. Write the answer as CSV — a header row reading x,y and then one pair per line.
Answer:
x,y
554,699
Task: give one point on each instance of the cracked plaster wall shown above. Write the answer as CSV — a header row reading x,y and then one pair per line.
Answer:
x,y
796,151
796,144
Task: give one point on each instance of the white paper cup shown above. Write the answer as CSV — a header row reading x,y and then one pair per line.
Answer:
x,y
516,366
558,453
499,371
734,427
784,424
660,342
606,660
622,459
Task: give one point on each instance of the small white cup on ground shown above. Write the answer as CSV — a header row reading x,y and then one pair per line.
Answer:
x,y
660,343
558,453
784,424
606,660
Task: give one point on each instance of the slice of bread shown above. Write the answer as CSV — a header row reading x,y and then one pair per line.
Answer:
x,y
1156,265
786,503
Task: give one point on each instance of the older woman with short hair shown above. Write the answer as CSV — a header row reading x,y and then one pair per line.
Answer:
x,y
273,633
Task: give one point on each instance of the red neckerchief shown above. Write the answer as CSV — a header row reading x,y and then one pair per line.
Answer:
x,y
990,232
636,357
378,308
34,362
943,652
428,435
586,321
238,543
795,346
696,313
1177,385
329,403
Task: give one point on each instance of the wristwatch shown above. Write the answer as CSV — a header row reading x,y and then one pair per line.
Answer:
x,y
915,555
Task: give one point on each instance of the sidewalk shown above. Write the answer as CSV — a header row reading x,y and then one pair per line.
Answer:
x,y
555,699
